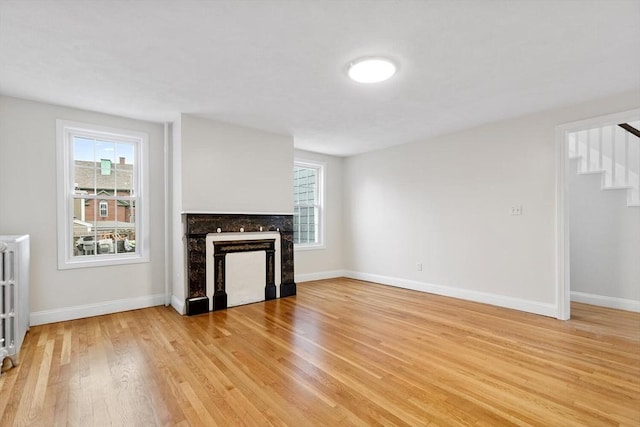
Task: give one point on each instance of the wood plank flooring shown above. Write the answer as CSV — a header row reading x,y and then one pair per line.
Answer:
x,y
340,353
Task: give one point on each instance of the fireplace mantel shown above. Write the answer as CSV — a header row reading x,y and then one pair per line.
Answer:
x,y
198,225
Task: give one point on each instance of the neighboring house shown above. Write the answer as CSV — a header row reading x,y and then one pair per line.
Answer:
x,y
107,218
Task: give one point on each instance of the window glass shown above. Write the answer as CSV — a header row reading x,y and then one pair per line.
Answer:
x,y
100,187
307,196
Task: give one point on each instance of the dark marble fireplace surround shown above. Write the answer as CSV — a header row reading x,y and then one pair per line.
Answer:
x,y
197,228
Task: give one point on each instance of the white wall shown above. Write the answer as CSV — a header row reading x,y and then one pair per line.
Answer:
x,y
178,252
223,168
28,205
327,262
445,203
605,243
227,168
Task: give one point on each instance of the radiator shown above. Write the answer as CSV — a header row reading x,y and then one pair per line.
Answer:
x,y
14,295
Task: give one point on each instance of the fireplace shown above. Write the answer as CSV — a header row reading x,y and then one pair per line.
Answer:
x,y
257,235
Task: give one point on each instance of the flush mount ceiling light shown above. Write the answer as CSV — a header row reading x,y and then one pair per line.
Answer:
x,y
371,70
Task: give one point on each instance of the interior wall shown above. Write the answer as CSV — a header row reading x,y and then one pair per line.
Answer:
x,y
328,261
605,240
28,194
178,250
445,203
223,168
233,169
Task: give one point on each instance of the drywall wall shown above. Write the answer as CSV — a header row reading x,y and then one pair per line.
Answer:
x,y
227,168
178,251
28,205
604,240
445,203
326,262
221,168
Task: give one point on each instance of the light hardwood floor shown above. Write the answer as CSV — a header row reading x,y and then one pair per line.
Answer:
x,y
341,352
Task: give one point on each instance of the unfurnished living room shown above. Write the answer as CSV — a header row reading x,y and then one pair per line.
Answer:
x,y
320,212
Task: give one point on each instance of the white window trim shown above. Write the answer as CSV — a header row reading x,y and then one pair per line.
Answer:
x,y
321,167
65,130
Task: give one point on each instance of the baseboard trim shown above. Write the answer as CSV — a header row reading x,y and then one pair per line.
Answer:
x,y
543,309
609,302
178,304
320,275
90,310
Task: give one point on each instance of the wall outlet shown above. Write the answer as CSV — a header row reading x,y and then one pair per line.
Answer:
x,y
516,210
419,266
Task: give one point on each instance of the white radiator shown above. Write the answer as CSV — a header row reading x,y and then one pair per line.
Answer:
x,y
14,295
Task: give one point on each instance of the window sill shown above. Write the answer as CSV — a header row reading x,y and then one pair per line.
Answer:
x,y
300,247
103,261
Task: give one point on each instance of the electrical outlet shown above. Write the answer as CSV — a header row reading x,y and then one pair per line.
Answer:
x,y
516,210
419,266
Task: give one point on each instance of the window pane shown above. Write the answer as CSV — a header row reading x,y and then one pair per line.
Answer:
x,y
131,231
105,151
125,154
85,244
84,180
82,231
124,181
305,224
83,149
105,180
106,241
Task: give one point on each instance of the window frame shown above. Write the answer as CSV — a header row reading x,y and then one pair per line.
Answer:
x,y
105,204
66,130
320,232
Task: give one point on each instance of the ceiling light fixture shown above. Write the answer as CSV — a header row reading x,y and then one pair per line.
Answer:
x,y
371,70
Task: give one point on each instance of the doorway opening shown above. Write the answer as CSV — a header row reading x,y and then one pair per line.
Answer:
x,y
603,150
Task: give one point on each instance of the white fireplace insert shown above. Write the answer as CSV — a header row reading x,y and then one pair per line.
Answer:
x,y
245,271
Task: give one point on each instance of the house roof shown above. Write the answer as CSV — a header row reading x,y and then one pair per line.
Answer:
x,y
88,176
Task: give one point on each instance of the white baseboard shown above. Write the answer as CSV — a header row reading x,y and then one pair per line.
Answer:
x,y
320,275
498,300
177,304
90,310
603,301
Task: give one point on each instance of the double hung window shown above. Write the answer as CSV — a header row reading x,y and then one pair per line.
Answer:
x,y
102,205
308,180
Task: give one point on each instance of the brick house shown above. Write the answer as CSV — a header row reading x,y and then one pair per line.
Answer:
x,y
107,217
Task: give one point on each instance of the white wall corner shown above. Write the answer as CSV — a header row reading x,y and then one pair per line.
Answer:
x,y
561,229
178,251
604,301
320,275
90,310
177,304
534,307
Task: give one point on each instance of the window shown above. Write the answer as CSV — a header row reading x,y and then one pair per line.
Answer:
x,y
308,199
104,208
102,205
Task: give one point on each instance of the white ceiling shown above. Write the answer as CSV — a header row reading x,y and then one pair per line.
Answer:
x,y
281,65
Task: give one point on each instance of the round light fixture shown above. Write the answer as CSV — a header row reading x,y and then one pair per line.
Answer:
x,y
371,70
